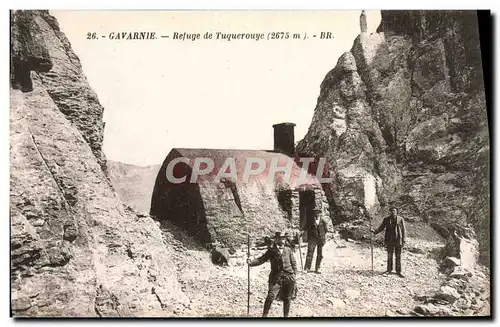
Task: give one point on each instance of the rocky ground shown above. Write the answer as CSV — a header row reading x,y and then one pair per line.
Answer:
x,y
345,288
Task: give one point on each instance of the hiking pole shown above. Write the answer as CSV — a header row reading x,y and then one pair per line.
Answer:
x,y
248,267
371,237
300,251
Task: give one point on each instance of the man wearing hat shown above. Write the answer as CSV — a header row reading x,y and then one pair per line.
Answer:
x,y
316,238
282,283
394,239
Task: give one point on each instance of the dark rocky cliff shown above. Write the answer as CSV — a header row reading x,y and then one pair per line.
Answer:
x,y
75,249
402,120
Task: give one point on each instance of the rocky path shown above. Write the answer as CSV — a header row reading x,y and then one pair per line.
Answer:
x,y
346,286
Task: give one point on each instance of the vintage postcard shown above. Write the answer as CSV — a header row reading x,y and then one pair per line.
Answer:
x,y
284,163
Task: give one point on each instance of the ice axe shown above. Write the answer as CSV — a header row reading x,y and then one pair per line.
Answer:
x,y
371,238
365,212
248,267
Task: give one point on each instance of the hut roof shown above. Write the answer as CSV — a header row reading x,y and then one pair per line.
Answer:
x,y
240,156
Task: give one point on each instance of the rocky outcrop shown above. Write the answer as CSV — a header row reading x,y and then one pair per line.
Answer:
x,y
39,45
402,120
75,249
466,290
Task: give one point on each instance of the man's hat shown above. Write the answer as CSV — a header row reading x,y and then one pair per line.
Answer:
x,y
277,235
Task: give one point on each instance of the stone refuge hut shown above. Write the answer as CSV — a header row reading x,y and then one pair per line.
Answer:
x,y
224,210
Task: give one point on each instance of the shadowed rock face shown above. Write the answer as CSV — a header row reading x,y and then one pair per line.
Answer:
x,y
28,52
75,249
402,120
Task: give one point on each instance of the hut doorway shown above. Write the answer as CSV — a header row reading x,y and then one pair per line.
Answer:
x,y
285,201
306,207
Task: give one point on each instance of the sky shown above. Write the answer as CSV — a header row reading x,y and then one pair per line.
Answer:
x,y
166,93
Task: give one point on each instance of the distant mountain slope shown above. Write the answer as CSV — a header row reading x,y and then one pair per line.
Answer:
x,y
134,184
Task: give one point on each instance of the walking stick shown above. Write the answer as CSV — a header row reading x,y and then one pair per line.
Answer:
x,y
371,238
248,257
300,251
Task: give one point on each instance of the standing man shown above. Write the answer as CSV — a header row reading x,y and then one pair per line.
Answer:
x,y
282,283
316,238
394,239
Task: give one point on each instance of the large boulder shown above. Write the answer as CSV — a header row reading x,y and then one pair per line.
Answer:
x,y
448,294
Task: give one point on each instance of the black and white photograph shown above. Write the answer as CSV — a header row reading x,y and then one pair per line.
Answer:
x,y
250,164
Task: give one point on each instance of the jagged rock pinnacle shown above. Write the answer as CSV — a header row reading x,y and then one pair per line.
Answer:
x,y
362,22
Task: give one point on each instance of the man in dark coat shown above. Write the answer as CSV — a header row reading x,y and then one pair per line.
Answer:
x,y
394,239
316,238
282,283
